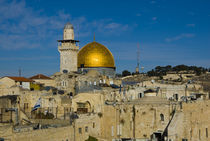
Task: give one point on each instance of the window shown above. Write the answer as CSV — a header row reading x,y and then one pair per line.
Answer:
x,y
199,134
112,130
86,83
176,97
64,83
140,95
206,132
25,105
86,129
161,117
93,124
80,130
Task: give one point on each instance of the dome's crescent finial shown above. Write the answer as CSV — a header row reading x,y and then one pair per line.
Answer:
x,y
94,37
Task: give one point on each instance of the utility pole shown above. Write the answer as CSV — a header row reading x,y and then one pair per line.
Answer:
x,y
19,71
138,58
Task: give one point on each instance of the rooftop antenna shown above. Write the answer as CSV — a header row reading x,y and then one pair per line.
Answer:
x,y
138,58
19,71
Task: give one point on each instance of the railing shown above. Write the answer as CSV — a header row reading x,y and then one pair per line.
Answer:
x,y
165,132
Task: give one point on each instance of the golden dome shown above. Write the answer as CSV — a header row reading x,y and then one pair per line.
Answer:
x,y
95,55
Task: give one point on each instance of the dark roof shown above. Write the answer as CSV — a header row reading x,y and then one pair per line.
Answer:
x,y
39,76
20,79
66,41
9,96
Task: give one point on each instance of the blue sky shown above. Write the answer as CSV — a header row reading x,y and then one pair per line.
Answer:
x,y
170,32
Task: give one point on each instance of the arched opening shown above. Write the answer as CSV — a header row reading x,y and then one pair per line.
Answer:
x,y
86,83
83,107
161,117
88,105
176,97
141,95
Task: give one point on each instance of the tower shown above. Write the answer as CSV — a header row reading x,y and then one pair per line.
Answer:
x,y
138,58
68,50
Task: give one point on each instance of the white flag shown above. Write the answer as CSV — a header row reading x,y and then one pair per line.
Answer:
x,y
37,105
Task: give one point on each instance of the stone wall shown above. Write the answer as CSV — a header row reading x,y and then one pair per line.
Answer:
x,y
53,134
134,120
191,122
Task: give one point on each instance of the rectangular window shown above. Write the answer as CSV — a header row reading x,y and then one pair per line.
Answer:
x,y
199,134
25,105
80,130
112,130
118,129
93,124
207,133
86,129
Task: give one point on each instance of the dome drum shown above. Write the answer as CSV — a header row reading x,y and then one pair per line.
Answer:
x,y
103,71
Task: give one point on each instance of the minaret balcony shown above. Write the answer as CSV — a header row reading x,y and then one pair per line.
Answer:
x,y
72,47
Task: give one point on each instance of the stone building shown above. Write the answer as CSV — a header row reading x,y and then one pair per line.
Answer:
x,y
65,82
22,82
9,109
42,79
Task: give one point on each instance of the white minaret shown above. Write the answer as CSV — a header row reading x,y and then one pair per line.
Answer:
x,y
68,50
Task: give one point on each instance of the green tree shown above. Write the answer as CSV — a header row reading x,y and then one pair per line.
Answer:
x,y
91,139
126,73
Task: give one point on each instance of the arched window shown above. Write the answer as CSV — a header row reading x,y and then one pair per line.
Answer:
x,y
161,117
140,95
86,83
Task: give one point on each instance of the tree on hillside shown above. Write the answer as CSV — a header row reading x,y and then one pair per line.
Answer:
x,y
162,70
126,73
